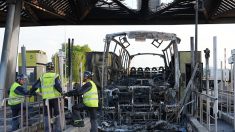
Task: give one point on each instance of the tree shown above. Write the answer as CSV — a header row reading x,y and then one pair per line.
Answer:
x,y
78,56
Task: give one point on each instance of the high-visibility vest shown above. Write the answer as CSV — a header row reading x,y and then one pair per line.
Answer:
x,y
47,85
90,98
14,97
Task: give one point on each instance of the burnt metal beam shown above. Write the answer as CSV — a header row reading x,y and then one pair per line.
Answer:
x,y
61,7
31,13
228,4
125,8
144,10
44,8
86,12
205,11
89,4
178,12
214,7
229,13
158,13
74,7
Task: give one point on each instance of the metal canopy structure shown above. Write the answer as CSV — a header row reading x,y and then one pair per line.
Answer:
x,y
119,12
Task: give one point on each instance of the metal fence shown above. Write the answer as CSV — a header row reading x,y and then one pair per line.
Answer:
x,y
206,103
31,113
5,118
61,113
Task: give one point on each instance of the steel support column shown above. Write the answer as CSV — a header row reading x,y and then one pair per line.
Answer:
x,y
196,30
23,68
61,56
193,62
215,80
233,83
10,46
207,56
70,51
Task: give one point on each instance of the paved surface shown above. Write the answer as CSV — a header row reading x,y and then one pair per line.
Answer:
x,y
222,127
87,127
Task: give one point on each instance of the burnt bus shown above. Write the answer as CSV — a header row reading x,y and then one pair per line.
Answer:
x,y
137,95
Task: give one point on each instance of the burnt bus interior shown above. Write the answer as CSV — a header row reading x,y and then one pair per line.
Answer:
x,y
135,98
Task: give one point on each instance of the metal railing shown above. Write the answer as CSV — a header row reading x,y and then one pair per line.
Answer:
x,y
205,101
30,113
5,118
61,113
226,104
226,101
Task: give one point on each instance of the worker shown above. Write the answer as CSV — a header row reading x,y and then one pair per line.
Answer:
x,y
89,103
16,98
50,88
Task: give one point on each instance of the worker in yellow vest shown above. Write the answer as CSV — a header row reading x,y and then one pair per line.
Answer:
x,y
16,98
49,86
89,103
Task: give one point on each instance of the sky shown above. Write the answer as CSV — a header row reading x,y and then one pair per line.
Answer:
x,y
50,38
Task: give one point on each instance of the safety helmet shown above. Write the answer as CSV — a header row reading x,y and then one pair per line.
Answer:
x,y
21,77
50,66
87,74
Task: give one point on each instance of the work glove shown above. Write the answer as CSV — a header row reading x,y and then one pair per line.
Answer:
x,y
69,94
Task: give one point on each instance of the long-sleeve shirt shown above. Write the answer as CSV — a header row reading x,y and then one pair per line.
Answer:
x,y
20,90
86,87
80,91
37,85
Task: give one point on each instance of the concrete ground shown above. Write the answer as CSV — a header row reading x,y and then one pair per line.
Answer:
x,y
87,127
222,127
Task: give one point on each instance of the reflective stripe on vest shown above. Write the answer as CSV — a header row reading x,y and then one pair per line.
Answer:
x,y
47,86
90,98
15,98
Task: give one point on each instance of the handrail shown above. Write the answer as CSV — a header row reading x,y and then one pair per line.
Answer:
x,y
48,114
226,99
5,99
4,105
226,91
28,104
61,112
208,96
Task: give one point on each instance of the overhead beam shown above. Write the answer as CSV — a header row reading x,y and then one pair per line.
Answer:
x,y
228,4
125,8
214,7
31,13
74,7
229,13
158,13
80,12
48,10
204,10
85,9
144,10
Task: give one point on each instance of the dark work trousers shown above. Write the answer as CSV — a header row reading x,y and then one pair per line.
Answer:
x,y
16,112
54,111
92,113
